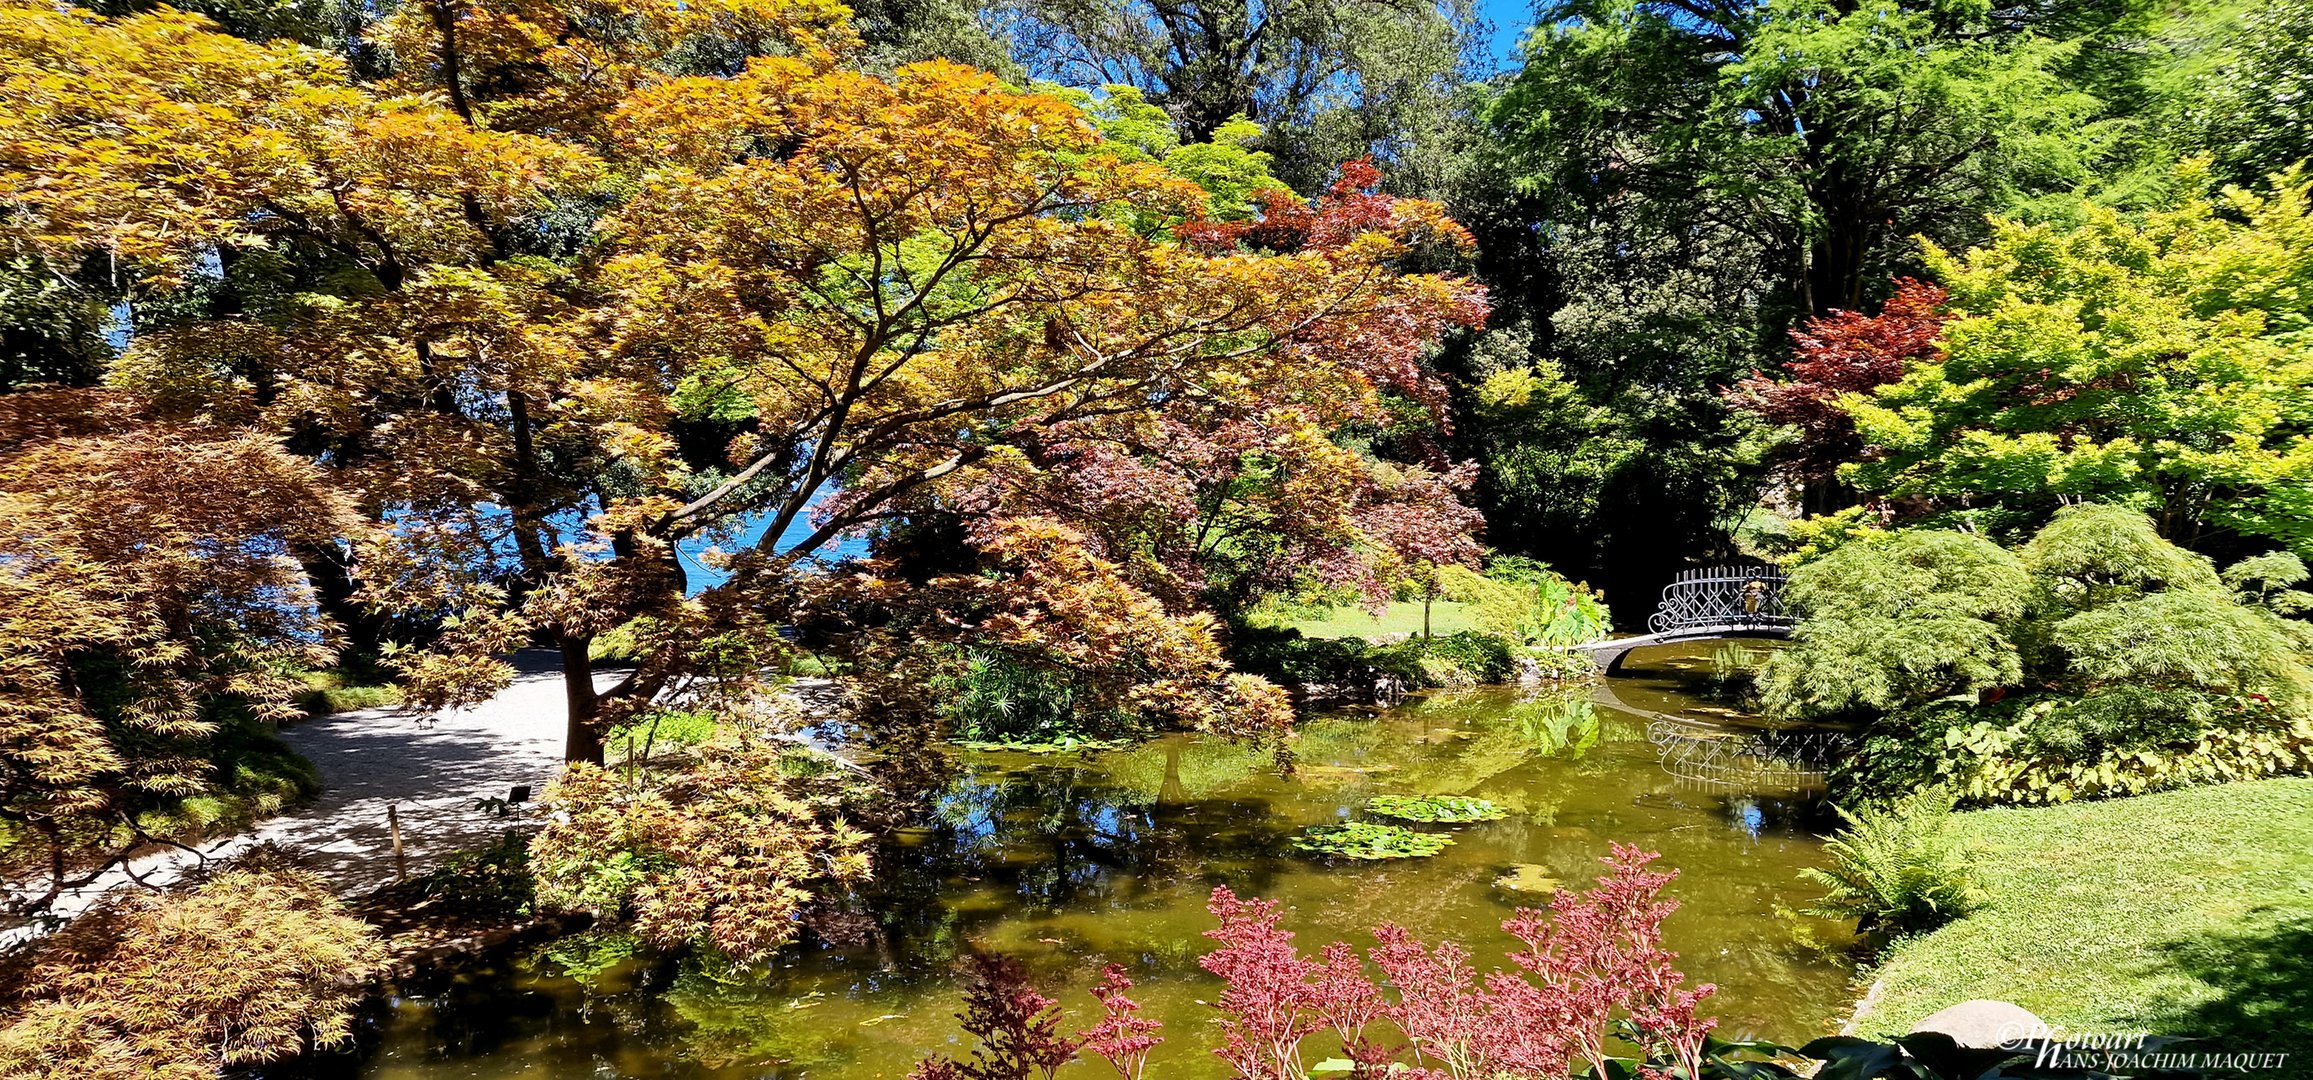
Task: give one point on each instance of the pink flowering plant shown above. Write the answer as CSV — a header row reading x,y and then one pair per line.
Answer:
x,y
1592,970
1123,1038
1592,967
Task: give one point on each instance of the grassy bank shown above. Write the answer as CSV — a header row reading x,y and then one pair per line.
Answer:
x,y
331,692
1446,617
2187,913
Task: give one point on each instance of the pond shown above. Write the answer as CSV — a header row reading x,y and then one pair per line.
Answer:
x,y
1071,862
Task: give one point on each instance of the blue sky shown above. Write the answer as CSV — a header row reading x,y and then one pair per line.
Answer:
x,y
701,576
1511,18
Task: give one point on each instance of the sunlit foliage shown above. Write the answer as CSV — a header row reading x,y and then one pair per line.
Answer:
x,y
720,852
2255,112
1921,616
253,966
1668,188
2155,360
693,275
1331,81
1591,968
1845,352
1897,869
1526,603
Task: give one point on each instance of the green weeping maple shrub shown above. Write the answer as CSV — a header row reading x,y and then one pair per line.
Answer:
x,y
2097,659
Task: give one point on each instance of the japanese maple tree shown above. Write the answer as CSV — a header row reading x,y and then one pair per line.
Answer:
x,y
1845,352
592,293
151,607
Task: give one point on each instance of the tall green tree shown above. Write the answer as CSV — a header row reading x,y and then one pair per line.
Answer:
x,y
1331,81
1672,186
2254,107
894,33
1823,136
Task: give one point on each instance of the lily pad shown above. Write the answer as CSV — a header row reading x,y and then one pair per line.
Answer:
x,y
1436,809
1529,878
1369,841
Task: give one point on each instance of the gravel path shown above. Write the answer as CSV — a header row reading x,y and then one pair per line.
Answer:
x,y
432,769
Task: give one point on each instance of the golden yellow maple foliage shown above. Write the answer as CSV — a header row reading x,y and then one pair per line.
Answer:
x,y
567,234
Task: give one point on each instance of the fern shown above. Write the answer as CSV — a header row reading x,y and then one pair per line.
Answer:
x,y
1897,869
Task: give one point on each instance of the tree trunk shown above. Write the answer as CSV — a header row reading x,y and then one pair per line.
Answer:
x,y
1426,618
1171,789
363,631
582,740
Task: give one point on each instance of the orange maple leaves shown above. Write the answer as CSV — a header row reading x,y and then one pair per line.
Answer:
x,y
884,293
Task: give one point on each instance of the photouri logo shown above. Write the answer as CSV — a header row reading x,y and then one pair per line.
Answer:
x,y
2113,1051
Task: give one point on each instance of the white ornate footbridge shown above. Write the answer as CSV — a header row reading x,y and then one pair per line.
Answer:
x,y
1709,602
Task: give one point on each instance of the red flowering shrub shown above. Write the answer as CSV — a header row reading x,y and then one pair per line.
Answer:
x,y
1596,956
1592,966
1122,1038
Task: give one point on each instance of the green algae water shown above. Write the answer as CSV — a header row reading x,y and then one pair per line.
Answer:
x,y
1073,862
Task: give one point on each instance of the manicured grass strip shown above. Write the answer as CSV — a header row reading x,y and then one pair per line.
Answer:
x,y
1446,617
2186,913
330,693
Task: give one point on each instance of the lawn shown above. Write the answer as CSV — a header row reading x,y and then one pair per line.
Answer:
x,y
331,692
2186,913
1446,617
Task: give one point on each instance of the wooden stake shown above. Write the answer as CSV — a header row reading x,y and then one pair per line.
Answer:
x,y
394,826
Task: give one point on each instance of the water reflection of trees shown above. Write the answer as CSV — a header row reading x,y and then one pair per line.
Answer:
x,y
1108,856
1139,829
1015,846
1064,837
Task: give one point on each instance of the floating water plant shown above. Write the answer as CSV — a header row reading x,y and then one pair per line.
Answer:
x,y
1067,744
1369,841
1531,879
1435,809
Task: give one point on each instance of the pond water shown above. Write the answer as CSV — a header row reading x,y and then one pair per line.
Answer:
x,y
1072,862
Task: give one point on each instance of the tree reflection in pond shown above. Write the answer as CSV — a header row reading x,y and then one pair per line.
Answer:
x,y
1071,862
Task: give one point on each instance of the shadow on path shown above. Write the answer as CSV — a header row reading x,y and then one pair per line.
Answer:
x,y
432,769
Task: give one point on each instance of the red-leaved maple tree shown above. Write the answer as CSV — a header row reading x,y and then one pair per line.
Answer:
x,y
1845,352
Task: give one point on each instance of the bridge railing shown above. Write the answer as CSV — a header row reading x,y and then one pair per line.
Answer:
x,y
1739,596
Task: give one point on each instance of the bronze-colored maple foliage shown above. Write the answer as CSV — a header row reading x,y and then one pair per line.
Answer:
x,y
674,271
255,965
149,585
722,854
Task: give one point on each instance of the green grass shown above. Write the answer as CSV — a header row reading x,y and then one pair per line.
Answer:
x,y
1446,617
2185,913
330,692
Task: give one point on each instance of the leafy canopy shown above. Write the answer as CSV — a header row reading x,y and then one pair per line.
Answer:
x,y
2152,360
559,296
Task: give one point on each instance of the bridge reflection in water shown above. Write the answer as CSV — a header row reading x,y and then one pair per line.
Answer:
x,y
1716,602
1719,755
